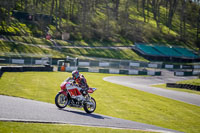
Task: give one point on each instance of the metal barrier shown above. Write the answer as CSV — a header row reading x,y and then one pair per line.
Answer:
x,y
101,65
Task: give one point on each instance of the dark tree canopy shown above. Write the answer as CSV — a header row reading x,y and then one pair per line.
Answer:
x,y
134,20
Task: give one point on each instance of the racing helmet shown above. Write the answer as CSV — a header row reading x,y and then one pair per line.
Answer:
x,y
75,74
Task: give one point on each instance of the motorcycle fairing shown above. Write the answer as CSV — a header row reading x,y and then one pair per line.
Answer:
x,y
91,90
74,92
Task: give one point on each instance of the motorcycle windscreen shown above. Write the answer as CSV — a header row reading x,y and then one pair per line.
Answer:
x,y
62,86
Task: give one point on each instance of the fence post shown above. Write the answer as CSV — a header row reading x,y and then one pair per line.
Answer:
x,y
31,60
9,60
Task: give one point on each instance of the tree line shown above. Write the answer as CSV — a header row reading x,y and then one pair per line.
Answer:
x,y
135,20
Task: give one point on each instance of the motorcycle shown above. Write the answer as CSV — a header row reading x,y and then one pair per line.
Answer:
x,y
70,95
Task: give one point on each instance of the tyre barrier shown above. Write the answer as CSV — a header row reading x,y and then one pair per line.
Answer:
x,y
24,69
1,73
187,73
184,86
12,69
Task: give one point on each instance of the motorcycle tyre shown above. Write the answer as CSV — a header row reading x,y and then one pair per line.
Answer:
x,y
56,101
86,109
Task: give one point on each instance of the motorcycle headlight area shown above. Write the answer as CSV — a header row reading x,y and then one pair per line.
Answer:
x,y
68,85
94,89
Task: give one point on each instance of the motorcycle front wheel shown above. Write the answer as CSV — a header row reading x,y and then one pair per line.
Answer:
x,y
90,106
61,100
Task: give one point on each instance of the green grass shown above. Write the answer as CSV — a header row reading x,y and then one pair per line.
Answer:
x,y
176,89
127,54
192,82
14,127
43,41
15,27
29,40
112,100
18,48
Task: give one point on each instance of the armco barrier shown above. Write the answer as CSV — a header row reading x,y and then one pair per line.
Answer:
x,y
114,71
123,72
168,66
83,69
98,62
93,70
142,73
196,66
158,73
182,73
103,70
94,63
133,72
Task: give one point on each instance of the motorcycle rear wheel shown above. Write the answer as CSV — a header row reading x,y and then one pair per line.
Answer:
x,y
61,100
88,107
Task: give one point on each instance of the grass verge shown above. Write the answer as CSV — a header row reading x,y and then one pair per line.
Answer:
x,y
43,41
127,54
176,89
191,81
112,100
18,48
14,127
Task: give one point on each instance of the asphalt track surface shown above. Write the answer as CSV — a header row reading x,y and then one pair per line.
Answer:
x,y
25,110
144,84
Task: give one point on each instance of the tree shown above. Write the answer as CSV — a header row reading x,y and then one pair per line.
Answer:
x,y
138,4
56,14
61,3
5,14
172,8
116,8
148,4
198,27
143,9
156,11
25,5
124,19
183,19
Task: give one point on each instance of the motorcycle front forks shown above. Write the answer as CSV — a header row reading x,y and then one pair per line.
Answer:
x,y
87,98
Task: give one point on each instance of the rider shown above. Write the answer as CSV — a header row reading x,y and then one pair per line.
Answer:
x,y
81,81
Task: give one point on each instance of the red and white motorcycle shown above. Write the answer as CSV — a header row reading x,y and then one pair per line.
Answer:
x,y
70,95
